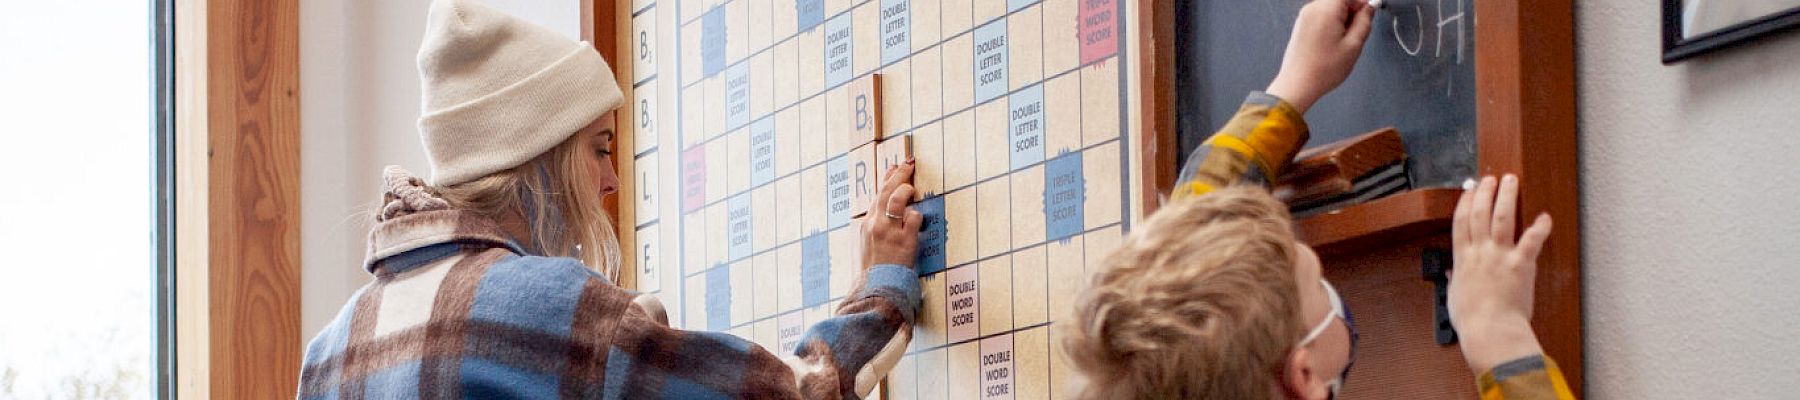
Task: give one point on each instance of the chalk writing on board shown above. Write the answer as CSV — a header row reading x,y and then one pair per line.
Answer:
x,y
1449,26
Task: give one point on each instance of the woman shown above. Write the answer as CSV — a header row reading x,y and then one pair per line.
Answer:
x,y
481,285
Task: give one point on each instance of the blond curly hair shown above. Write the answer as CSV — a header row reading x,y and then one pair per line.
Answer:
x,y
1199,302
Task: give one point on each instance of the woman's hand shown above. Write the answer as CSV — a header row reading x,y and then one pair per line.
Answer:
x,y
891,229
1493,281
1328,37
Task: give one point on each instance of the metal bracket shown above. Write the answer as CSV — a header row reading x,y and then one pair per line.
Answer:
x,y
1434,264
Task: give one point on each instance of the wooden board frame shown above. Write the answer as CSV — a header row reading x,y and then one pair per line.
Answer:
x,y
1525,88
237,180
607,25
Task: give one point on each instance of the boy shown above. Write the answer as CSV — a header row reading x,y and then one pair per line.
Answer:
x,y
1214,297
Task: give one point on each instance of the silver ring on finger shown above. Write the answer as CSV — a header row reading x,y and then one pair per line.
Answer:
x,y
890,215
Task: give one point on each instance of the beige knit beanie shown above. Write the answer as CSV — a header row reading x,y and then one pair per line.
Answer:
x,y
499,91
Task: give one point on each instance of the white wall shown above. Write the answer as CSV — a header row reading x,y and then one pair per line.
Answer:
x,y
359,106
1690,210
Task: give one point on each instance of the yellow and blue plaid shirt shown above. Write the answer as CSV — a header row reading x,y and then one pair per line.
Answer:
x,y
1256,146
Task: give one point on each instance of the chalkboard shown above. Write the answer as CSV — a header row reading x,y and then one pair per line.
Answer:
x,y
1417,73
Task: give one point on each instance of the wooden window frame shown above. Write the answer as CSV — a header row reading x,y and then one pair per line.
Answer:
x,y
237,195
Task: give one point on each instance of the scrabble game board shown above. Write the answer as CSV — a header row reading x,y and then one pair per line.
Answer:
x,y
762,127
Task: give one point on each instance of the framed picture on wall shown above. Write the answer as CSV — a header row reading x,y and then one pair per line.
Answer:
x,y
1694,27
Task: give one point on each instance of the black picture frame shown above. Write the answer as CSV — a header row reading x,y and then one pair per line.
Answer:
x,y
1676,47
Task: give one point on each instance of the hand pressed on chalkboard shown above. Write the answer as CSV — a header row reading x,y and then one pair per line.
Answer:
x,y
1493,280
1328,38
891,230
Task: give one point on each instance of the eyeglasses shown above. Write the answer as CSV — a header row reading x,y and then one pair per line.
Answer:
x,y
1342,313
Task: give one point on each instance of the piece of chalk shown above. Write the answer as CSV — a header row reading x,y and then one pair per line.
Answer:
x,y
1469,184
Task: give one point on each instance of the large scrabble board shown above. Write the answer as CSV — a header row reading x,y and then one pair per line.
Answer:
x,y
761,127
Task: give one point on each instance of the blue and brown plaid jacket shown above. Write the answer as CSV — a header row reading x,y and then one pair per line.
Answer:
x,y
457,310
1256,146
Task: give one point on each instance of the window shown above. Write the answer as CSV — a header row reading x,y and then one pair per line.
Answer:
x,y
84,206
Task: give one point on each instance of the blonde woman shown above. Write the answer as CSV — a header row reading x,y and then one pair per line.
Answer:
x,y
483,286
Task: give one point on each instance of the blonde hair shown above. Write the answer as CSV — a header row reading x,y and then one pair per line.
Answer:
x,y
1200,301
554,195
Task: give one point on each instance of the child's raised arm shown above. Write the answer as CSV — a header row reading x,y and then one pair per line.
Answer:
x,y
1259,142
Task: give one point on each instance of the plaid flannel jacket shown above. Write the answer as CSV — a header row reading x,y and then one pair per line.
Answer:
x,y
459,311
1256,146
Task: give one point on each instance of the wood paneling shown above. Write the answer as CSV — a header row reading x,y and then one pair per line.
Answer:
x,y
607,24
238,190
1156,64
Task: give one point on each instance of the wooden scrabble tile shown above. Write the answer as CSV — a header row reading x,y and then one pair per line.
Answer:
x,y
764,217
838,133
1064,273
786,67
993,152
903,380
846,258
925,29
956,17
787,216
965,371
766,280
927,84
643,110
862,178
1062,45
1030,286
1024,42
1100,102
737,31
690,50
648,258
1100,172
787,141
762,85
644,47
1031,364
811,48
863,106
994,202
928,150
959,74
865,30
896,99
986,10
960,215
645,193
959,150
996,295
934,374
737,153
743,291
787,267
812,200
1027,206
1062,119
892,153
812,132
